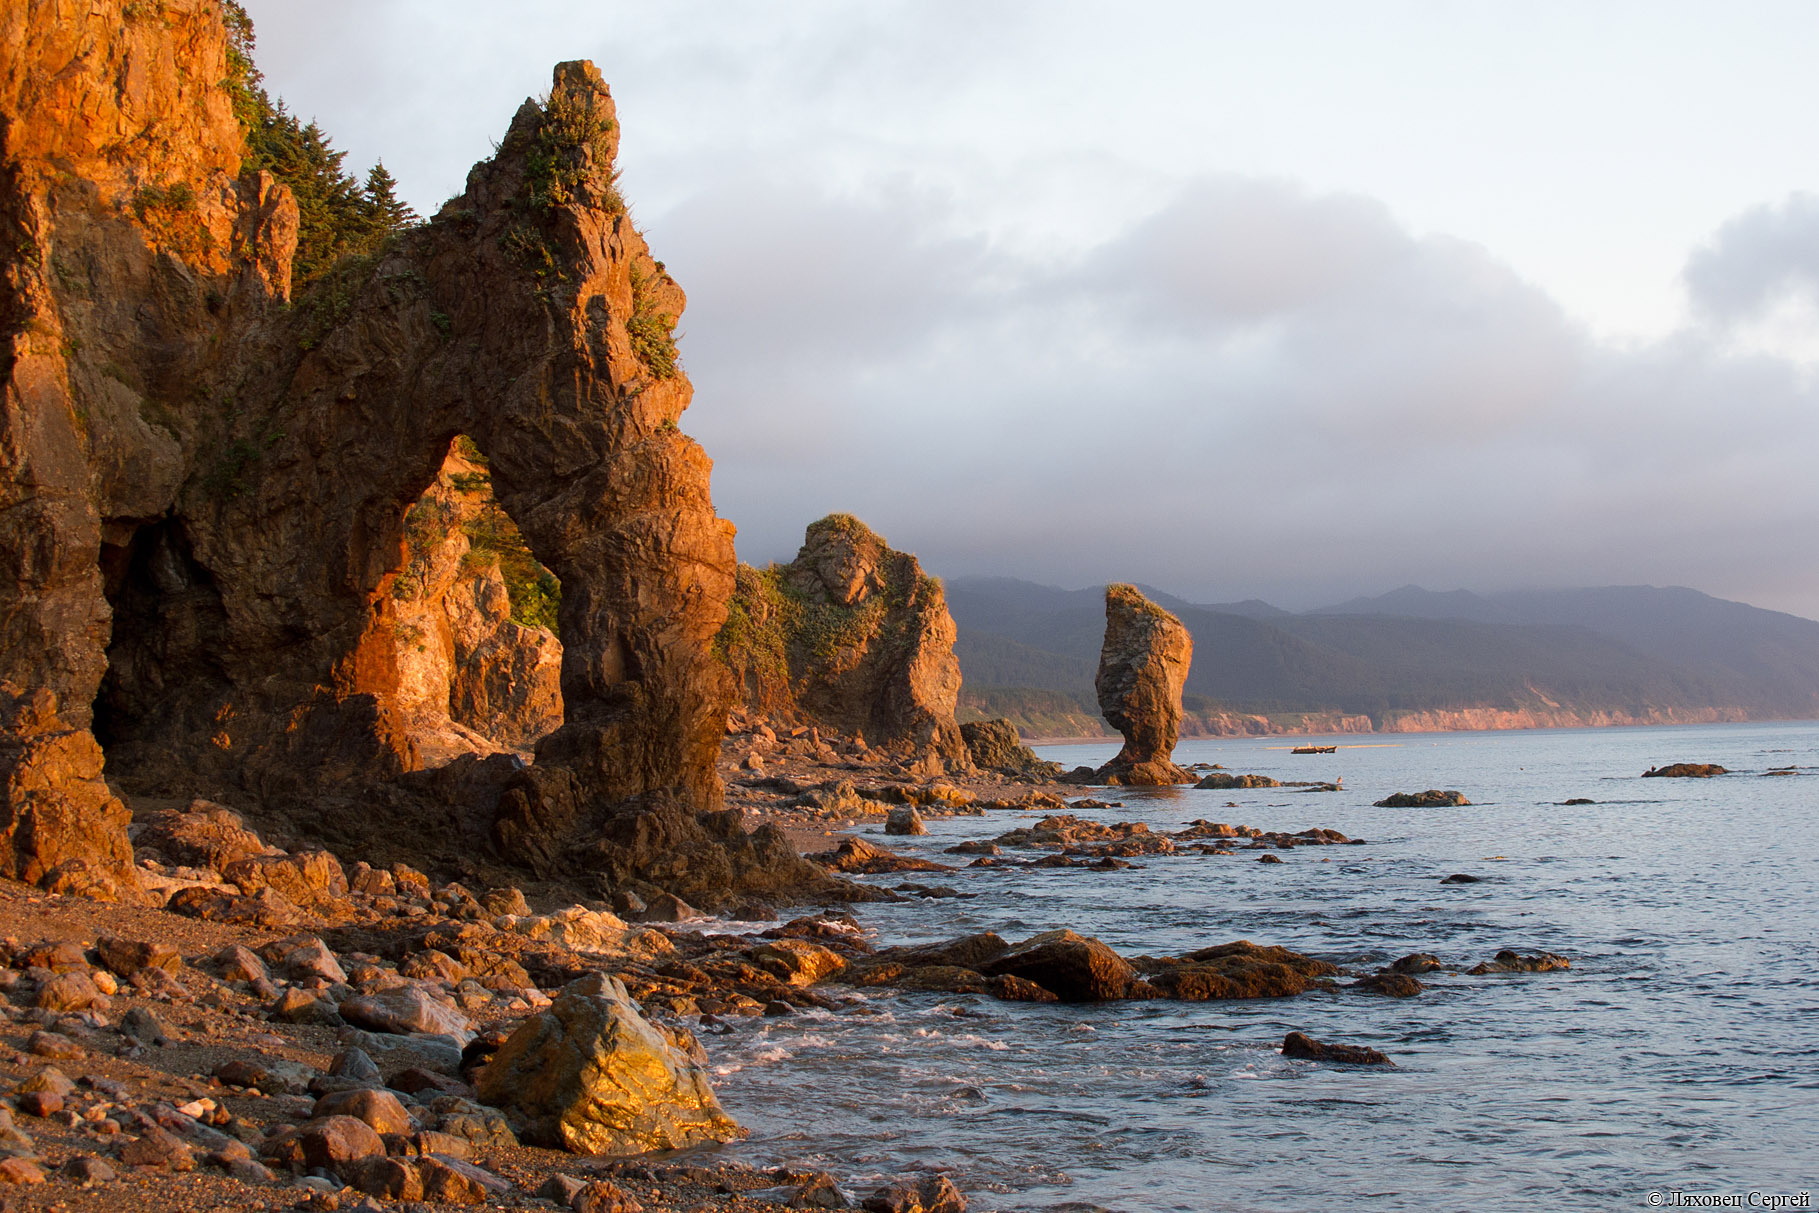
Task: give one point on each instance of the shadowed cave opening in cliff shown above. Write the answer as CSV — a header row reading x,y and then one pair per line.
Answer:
x,y
168,628
473,620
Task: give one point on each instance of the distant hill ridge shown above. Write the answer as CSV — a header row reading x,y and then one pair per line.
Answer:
x,y
1409,660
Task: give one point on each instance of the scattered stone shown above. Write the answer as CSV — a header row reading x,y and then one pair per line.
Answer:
x,y
1240,969
797,961
304,957
20,1172
333,1140
458,1183
1415,962
1508,961
50,1080
933,1194
592,1076
405,1010
1269,859
603,1196
506,901
125,957
1431,799
384,1177
67,992
235,963
55,1046
354,1064
86,1169
380,1109
1220,780
158,1148
1685,770
269,1075
143,1025
667,907
855,855
266,908
995,745
297,1005
1391,985
206,835
1297,1045
904,821
561,1189
40,1103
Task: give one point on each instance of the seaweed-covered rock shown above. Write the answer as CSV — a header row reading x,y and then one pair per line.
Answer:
x,y
1685,770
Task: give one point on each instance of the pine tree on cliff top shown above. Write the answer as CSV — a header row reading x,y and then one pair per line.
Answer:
x,y
337,217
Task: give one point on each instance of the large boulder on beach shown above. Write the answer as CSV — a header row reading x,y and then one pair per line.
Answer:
x,y
1142,668
593,1076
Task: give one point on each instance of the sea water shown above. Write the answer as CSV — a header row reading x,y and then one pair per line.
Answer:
x,y
1680,1053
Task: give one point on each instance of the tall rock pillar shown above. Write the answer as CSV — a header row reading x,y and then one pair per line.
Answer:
x,y
1142,668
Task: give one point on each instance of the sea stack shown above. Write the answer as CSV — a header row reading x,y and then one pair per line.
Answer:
x,y
851,637
1142,668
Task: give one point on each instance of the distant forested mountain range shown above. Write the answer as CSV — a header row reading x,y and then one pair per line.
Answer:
x,y
1411,660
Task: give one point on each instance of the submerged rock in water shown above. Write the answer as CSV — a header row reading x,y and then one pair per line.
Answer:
x,y
1430,799
1685,770
1510,962
1142,668
1240,969
1220,780
592,1076
1389,984
1306,1047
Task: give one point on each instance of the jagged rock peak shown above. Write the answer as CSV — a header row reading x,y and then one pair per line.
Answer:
x,y
1142,668
853,636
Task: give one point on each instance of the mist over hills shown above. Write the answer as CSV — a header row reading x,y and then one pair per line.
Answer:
x,y
1409,660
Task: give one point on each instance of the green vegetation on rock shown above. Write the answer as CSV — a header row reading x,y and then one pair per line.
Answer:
x,y
337,215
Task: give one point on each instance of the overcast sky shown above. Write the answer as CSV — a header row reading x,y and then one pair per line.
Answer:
x,y
1296,301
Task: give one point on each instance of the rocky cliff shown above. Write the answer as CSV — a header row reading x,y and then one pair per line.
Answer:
x,y
1142,666
852,637
203,511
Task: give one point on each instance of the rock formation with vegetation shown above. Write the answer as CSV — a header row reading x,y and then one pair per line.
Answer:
x,y
1142,667
229,374
850,636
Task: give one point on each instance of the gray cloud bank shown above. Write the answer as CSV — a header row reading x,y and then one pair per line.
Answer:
x,y
1253,390
987,293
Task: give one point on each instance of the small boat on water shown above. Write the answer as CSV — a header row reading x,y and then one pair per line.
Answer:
x,y
1315,749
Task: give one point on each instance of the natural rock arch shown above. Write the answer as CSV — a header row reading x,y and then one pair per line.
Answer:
x,y
240,466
